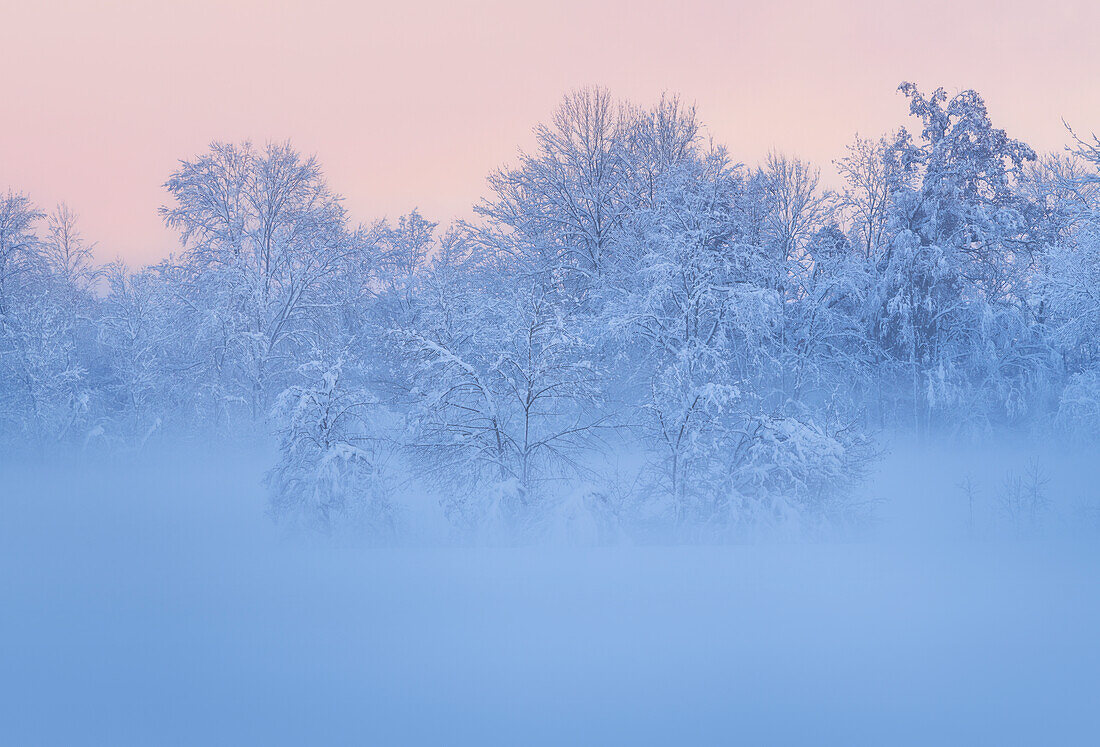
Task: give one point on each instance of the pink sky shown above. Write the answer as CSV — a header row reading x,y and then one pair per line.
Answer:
x,y
412,104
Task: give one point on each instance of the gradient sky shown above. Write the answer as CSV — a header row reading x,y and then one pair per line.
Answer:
x,y
411,104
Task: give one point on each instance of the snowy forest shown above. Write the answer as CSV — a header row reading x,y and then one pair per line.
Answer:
x,y
634,334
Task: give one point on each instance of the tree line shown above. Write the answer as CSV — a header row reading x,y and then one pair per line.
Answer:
x,y
635,330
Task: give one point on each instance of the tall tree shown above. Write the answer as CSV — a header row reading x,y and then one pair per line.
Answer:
x,y
264,236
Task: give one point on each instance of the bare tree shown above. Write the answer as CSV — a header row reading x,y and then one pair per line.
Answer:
x,y
67,254
564,204
1024,499
872,176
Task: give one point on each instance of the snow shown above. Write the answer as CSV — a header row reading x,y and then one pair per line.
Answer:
x,y
658,447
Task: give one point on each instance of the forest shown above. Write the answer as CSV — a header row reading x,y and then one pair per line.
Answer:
x,y
634,334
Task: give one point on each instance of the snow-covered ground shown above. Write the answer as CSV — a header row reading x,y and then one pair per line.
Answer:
x,y
160,606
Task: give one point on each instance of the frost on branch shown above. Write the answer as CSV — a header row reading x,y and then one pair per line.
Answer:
x,y
636,335
331,472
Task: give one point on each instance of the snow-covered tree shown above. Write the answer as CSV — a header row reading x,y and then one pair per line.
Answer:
x,y
690,307
332,470
264,237
45,326
564,204
68,256
20,249
1071,285
960,249
873,174
626,290
502,389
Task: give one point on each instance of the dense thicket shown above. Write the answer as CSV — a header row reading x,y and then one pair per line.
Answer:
x,y
635,332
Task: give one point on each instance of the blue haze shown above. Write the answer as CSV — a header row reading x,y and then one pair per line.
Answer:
x,y
658,448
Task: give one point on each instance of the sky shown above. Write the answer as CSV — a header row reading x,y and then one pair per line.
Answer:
x,y
412,104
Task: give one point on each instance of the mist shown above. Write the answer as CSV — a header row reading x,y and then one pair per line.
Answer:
x,y
153,600
659,448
